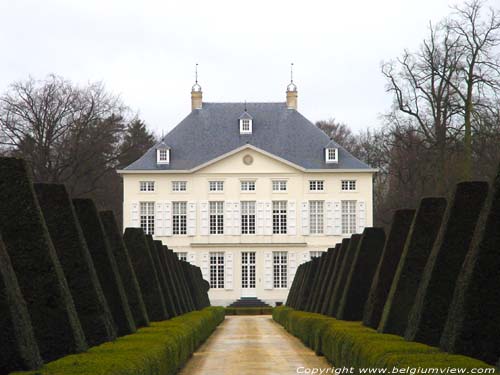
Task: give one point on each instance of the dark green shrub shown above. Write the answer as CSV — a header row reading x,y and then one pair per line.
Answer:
x,y
39,274
305,288
19,348
331,256
473,324
249,310
142,261
343,271
297,280
185,298
316,281
127,273
381,284
67,237
161,348
171,280
168,287
361,273
105,265
334,275
435,292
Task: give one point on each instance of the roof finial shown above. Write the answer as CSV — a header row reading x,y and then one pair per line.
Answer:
x,y
196,73
196,87
245,105
291,72
291,86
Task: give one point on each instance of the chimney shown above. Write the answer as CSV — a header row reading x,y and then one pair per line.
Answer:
x,y
196,97
291,96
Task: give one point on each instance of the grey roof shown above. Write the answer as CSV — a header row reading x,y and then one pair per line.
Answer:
x,y
244,116
212,131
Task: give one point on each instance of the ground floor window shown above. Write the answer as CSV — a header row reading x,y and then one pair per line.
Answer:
x,y
248,269
217,269
147,211
182,256
280,269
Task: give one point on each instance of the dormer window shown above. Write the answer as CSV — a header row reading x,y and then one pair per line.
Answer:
x,y
163,156
331,155
245,123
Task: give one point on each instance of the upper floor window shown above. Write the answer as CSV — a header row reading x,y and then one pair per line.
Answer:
x,y
216,186
163,156
179,218
247,185
182,256
348,217
331,155
348,185
147,217
279,185
246,126
179,185
216,217
316,217
316,185
146,186
248,217
279,217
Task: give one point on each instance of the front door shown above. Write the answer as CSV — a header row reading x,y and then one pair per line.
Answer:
x,y
248,274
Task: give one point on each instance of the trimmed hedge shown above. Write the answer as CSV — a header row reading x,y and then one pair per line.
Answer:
x,y
171,280
386,268
350,344
159,272
435,292
142,261
105,264
17,340
125,268
473,324
332,255
249,310
332,277
39,274
182,279
316,281
162,348
168,288
361,273
305,288
416,251
179,291
71,247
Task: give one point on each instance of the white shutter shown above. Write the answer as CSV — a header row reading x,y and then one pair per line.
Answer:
x,y
204,266
337,219
330,220
228,274
293,266
268,218
168,218
191,218
259,218
134,215
305,218
268,270
204,224
291,220
159,219
228,218
361,216
191,258
236,218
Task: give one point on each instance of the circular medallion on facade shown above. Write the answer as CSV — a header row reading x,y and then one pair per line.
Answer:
x,y
247,159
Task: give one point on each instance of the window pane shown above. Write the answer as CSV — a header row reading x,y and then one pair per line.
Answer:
x,y
147,217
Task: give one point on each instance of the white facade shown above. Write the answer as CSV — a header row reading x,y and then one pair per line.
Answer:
x,y
250,243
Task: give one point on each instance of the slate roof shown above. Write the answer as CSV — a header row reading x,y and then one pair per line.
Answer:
x,y
213,131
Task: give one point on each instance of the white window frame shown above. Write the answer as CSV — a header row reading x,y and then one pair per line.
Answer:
x,y
182,255
248,274
280,225
331,155
217,269
245,126
315,253
316,185
146,186
316,217
147,217
349,216
280,269
216,212
179,186
215,186
348,185
279,186
248,217
163,156
179,218
248,186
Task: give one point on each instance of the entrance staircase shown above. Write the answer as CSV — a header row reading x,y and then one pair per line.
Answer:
x,y
249,302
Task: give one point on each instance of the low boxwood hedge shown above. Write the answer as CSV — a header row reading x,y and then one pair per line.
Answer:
x,y
351,344
161,348
249,310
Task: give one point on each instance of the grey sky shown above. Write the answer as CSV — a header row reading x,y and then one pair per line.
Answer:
x,y
146,50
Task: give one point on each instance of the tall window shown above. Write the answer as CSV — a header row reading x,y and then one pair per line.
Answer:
x,y
146,186
279,217
279,185
179,217
182,256
247,185
147,210
316,217
248,217
217,269
280,269
216,186
348,217
179,185
316,185
348,185
217,217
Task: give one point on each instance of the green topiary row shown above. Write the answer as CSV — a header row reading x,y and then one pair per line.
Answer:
x,y
352,345
161,348
249,310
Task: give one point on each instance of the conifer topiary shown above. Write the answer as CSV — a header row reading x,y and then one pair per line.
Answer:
x,y
171,280
71,247
39,274
332,254
435,292
167,286
334,276
188,303
316,281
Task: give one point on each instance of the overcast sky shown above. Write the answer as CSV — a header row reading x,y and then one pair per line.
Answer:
x,y
146,51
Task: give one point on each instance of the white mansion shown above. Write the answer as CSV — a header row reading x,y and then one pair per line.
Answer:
x,y
247,191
